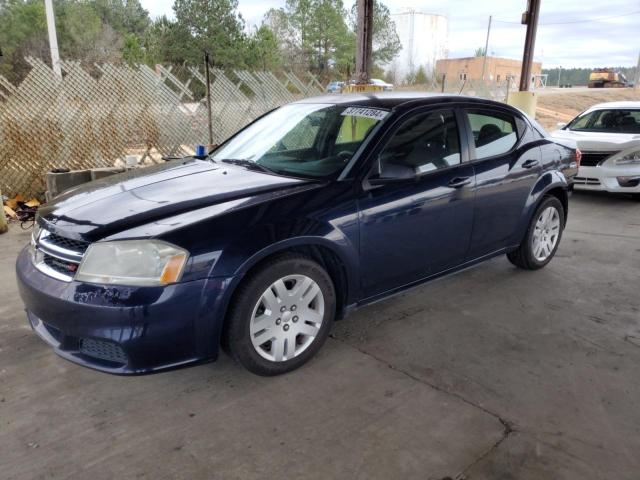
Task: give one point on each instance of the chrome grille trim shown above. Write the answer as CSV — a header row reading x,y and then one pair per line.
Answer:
x,y
47,246
57,251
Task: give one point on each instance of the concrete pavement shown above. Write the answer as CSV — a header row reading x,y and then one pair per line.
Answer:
x,y
494,373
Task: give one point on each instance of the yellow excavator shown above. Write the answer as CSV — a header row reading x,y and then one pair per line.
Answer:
x,y
607,78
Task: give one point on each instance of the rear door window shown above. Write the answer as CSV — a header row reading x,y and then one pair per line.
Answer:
x,y
494,133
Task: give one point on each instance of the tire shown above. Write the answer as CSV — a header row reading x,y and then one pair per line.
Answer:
x,y
538,246
273,326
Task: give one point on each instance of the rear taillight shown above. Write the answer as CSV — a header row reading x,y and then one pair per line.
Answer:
x,y
578,156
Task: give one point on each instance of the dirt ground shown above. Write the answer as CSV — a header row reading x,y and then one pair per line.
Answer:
x,y
495,374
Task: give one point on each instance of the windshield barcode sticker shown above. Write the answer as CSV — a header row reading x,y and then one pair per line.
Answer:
x,y
365,112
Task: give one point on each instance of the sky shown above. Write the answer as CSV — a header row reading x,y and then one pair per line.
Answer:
x,y
571,33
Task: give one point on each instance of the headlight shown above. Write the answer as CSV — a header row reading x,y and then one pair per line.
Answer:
x,y
132,262
632,158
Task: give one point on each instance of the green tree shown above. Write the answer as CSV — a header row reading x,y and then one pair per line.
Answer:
x,y
420,77
386,43
480,52
262,50
167,41
215,27
23,32
329,37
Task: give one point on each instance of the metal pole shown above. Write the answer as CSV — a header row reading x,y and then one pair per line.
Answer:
x,y
3,220
559,75
364,43
207,79
637,79
53,38
444,80
486,49
530,18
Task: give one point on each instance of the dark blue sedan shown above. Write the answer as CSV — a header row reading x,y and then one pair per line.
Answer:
x,y
318,207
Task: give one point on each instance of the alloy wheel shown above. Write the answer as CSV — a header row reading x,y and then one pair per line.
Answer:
x,y
287,318
546,233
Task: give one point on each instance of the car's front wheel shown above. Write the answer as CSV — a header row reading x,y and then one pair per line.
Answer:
x,y
543,236
281,315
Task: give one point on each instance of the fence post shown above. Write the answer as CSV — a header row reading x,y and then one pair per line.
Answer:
x,y
208,80
3,219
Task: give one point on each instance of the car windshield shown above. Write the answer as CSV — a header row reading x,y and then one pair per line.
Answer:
x,y
607,121
302,139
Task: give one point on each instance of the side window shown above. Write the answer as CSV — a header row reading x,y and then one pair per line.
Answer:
x,y
354,129
425,142
494,133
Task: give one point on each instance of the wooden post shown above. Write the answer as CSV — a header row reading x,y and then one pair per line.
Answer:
x,y
3,219
364,42
530,18
207,77
637,79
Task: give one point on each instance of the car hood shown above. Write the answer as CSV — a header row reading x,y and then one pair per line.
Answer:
x,y
599,142
100,208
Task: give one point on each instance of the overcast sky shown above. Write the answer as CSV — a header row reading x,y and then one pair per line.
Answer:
x,y
567,34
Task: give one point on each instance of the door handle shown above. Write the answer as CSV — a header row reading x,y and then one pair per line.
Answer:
x,y
458,182
530,163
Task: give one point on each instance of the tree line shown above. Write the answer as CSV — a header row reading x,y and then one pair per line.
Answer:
x,y
316,35
580,76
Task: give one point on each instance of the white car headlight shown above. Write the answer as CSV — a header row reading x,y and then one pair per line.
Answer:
x,y
632,158
132,262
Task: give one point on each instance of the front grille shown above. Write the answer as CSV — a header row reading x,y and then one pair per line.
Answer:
x,y
593,159
586,181
59,265
58,256
67,243
102,350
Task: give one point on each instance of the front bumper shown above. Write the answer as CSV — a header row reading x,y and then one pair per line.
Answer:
x,y
124,330
604,178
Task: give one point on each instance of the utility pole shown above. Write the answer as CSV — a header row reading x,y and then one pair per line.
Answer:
x,y
364,42
53,38
637,79
530,19
486,49
559,76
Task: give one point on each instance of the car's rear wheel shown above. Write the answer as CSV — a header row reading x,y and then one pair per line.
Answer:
x,y
281,315
543,236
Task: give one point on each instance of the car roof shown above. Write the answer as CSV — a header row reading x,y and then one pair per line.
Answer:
x,y
615,105
391,100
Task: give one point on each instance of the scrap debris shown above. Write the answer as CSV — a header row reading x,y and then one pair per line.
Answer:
x,y
21,210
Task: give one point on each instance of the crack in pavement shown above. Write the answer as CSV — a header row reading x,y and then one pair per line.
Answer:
x,y
508,426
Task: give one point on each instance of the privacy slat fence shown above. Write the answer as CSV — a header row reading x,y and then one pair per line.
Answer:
x,y
89,120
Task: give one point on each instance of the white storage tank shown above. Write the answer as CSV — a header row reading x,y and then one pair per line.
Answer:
x,y
424,38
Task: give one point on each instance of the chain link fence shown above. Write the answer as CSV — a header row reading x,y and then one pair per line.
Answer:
x,y
93,118
96,116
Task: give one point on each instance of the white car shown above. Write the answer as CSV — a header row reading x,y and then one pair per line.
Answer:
x,y
387,87
608,134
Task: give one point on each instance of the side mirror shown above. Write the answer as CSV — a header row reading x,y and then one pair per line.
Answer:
x,y
388,173
561,124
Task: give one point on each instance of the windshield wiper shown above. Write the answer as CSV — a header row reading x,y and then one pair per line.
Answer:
x,y
249,164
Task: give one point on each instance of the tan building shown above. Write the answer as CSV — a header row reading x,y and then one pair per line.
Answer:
x,y
470,68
